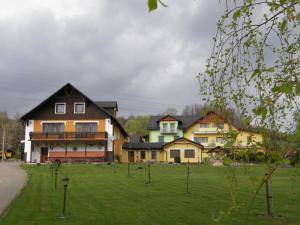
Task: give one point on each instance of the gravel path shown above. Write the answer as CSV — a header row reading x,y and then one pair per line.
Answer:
x,y
12,179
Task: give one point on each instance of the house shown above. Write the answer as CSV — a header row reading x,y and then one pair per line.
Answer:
x,y
191,138
213,130
69,126
182,148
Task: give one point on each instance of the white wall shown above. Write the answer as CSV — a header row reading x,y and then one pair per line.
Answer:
x,y
27,147
109,130
36,154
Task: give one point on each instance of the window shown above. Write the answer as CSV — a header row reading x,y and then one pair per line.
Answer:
x,y
176,137
220,140
86,127
201,139
143,155
219,125
53,127
174,153
189,153
60,108
79,107
161,139
172,128
204,125
153,155
164,127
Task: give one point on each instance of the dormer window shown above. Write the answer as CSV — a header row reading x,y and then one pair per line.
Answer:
x,y
204,125
60,108
219,125
79,108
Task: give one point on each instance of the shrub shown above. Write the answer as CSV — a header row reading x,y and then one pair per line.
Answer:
x,y
260,157
294,159
177,160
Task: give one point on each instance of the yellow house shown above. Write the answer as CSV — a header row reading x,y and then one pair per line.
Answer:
x,y
212,130
182,148
202,137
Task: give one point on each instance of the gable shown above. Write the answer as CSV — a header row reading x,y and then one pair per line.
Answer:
x,y
183,141
212,117
68,95
168,118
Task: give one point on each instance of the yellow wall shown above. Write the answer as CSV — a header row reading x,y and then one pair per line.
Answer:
x,y
182,147
69,125
212,134
164,155
137,156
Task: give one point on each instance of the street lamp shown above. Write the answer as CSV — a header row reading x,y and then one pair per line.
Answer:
x,y
66,182
55,182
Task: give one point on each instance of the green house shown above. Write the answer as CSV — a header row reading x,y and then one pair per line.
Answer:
x,y
168,128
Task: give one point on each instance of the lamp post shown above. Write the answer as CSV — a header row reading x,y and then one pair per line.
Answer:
x,y
66,182
149,172
55,182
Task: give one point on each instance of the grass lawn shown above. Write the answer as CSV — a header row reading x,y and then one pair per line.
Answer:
x,y
98,196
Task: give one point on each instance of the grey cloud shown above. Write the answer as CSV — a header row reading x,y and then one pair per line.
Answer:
x,y
114,51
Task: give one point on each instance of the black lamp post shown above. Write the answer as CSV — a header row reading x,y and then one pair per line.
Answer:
x,y
55,182
66,182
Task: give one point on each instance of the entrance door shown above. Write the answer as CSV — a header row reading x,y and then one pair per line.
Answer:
x,y
131,156
44,154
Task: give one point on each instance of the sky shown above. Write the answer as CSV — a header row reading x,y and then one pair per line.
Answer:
x,y
110,50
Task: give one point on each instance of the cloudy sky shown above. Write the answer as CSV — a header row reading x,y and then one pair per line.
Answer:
x,y
110,50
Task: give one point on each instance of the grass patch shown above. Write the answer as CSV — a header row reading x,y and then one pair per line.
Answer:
x,y
98,196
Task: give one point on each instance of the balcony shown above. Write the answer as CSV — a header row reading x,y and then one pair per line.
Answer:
x,y
168,131
210,131
68,136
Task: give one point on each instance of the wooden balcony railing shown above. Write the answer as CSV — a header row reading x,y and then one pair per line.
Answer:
x,y
41,136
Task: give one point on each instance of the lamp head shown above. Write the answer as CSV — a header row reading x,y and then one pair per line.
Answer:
x,y
66,180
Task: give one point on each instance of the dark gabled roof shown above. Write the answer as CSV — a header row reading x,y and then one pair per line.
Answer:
x,y
185,121
107,104
25,116
143,146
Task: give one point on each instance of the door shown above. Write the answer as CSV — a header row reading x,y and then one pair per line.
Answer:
x,y
131,156
153,155
44,154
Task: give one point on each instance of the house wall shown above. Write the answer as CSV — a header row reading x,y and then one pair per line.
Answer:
x,y
212,134
29,127
154,134
119,141
70,124
182,147
137,156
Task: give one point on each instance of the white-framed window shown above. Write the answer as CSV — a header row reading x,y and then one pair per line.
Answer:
x,y
201,139
219,125
79,107
175,153
58,127
164,127
220,140
86,127
161,139
172,128
60,108
204,125
189,153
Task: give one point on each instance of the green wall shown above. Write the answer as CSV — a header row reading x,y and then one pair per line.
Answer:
x,y
153,135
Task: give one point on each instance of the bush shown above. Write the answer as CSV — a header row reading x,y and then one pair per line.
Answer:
x,y
177,160
294,159
260,157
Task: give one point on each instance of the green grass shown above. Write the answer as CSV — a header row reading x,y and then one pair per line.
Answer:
x,y
98,196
